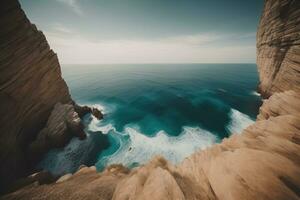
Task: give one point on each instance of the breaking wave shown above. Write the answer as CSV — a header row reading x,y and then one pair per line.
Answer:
x,y
239,121
139,148
255,93
131,147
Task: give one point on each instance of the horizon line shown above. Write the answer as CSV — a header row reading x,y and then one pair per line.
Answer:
x,y
156,63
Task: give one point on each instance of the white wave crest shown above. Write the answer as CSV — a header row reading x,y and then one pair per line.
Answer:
x,y
97,125
106,128
93,124
255,93
140,148
239,121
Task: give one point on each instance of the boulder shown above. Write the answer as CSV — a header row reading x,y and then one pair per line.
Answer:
x,y
63,124
83,110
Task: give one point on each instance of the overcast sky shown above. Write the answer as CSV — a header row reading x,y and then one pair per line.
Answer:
x,y
148,31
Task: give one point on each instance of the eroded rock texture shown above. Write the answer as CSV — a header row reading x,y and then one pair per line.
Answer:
x,y
63,124
278,47
30,86
261,163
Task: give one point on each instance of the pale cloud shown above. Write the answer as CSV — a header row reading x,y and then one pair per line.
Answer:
x,y
75,49
248,35
197,39
73,4
57,27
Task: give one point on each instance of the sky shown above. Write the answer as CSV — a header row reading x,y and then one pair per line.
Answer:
x,y
148,31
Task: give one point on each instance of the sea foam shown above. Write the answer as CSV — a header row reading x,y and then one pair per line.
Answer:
x,y
239,121
97,125
67,160
135,147
138,149
255,93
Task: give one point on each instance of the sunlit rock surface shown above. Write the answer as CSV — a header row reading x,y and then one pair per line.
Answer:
x,y
278,49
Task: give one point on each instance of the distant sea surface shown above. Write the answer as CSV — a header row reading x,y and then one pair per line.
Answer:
x,y
171,110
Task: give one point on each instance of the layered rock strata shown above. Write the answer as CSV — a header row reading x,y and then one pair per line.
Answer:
x,y
278,47
261,163
30,87
63,124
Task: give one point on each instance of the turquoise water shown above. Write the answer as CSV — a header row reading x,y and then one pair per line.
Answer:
x,y
166,109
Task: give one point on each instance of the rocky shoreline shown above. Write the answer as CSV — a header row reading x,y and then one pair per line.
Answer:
x,y
261,163
36,109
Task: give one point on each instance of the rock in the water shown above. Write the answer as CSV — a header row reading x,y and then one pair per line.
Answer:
x,y
97,113
63,124
83,110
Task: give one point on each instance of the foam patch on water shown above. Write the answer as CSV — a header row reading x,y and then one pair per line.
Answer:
x,y
68,159
140,148
239,121
95,125
255,93
106,128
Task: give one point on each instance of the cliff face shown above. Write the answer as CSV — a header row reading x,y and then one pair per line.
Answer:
x,y
261,163
30,86
278,47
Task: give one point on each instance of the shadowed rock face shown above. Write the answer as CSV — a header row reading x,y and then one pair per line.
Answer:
x,y
261,163
278,47
30,86
63,124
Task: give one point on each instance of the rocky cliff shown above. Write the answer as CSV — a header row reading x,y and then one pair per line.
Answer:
x,y
30,86
278,47
261,163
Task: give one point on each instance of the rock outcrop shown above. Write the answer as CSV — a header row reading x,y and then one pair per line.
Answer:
x,y
63,124
261,163
30,87
83,110
278,47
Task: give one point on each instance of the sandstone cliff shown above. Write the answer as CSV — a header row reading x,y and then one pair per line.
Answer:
x,y
261,163
30,86
278,47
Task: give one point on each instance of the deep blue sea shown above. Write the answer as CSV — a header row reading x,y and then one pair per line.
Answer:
x,y
149,109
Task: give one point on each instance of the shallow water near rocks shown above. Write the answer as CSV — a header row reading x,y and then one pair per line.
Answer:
x,y
171,110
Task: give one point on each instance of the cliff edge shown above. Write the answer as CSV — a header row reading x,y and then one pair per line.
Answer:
x,y
32,95
261,163
278,47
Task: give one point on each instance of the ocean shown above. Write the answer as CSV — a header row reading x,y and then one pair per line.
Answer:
x,y
170,110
